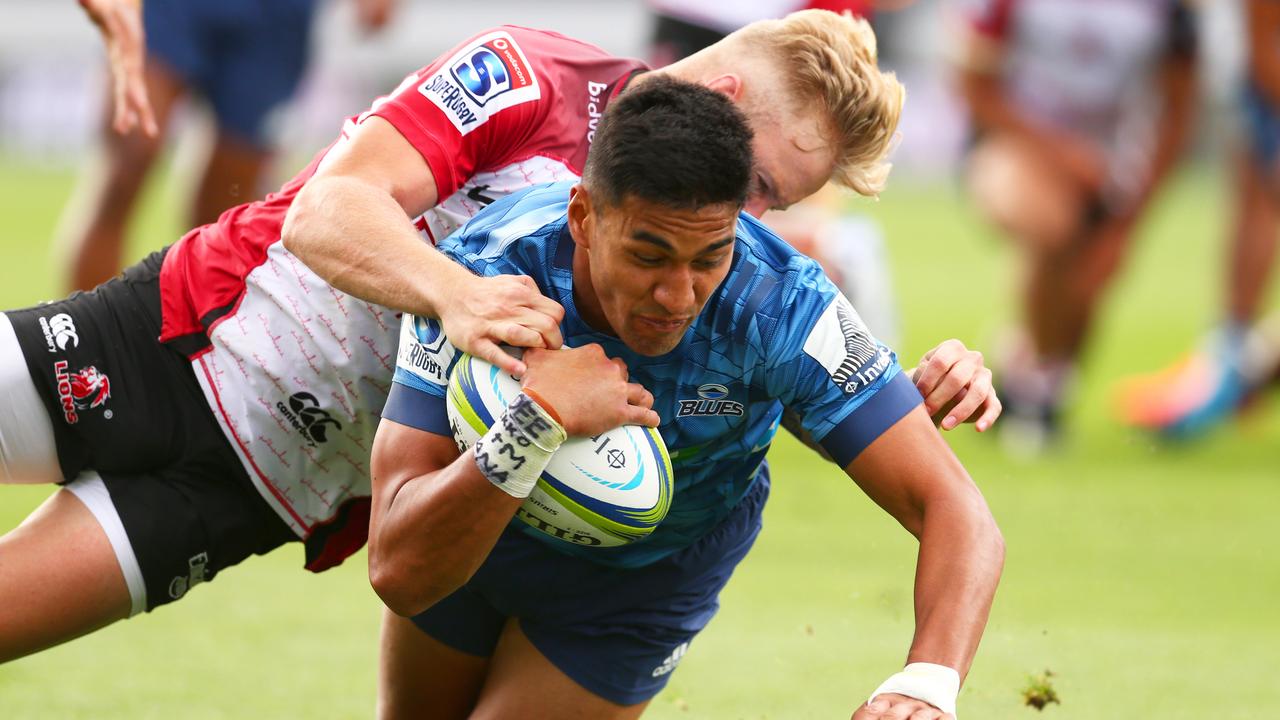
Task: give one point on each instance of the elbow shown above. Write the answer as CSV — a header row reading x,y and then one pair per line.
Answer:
x,y
293,232
408,591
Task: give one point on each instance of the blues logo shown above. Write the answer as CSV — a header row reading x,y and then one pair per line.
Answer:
x,y
712,400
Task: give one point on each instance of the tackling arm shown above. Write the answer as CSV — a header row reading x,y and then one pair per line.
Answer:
x,y
350,224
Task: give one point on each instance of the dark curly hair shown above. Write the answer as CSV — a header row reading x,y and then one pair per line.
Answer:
x,y
672,143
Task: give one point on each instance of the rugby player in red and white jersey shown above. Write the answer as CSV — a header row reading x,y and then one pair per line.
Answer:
x,y
250,423
1079,110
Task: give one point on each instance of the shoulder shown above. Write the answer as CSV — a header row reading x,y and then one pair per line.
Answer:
x,y
770,286
511,235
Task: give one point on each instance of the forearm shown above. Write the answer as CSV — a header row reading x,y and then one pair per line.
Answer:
x,y
434,533
357,238
959,565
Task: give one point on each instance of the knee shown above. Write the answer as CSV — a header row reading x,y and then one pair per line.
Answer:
x,y
1034,203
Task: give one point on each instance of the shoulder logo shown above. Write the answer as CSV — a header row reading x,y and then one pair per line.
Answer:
x,y
713,399
841,343
488,75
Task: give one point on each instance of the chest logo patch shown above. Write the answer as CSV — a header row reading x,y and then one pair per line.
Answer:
x,y
713,399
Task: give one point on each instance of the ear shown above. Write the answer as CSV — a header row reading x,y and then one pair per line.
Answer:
x,y
582,216
729,84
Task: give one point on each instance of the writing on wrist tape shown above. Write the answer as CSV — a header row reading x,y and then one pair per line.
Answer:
x,y
937,685
518,446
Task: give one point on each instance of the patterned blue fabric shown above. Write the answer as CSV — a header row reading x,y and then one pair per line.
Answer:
x,y
775,333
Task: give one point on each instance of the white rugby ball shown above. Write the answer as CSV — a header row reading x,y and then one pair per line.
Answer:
x,y
604,491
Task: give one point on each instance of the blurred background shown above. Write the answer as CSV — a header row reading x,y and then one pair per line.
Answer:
x,y
1142,566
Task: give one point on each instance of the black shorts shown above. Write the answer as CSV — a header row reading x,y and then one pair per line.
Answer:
x,y
129,407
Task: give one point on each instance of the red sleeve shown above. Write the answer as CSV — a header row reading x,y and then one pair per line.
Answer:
x,y
474,104
989,17
859,8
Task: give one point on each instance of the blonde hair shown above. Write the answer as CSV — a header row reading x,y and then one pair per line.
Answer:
x,y
832,58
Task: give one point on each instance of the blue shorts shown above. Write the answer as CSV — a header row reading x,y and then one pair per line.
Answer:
x,y
618,632
245,56
1263,126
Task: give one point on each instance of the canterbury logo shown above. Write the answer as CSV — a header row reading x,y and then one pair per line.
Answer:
x,y
307,417
59,331
64,331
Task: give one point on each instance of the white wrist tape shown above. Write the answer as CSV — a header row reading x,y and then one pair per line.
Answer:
x,y
518,446
937,685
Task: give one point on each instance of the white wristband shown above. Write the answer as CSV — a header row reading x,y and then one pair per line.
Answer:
x,y
937,685
518,446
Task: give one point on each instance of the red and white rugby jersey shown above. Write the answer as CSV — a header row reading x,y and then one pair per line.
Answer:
x,y
297,372
1087,65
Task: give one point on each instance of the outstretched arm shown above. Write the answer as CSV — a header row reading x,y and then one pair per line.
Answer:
x,y
351,225
912,473
120,22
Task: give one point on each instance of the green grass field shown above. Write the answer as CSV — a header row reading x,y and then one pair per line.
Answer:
x,y
1144,576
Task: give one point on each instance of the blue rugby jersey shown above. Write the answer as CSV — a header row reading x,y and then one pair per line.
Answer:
x,y
775,333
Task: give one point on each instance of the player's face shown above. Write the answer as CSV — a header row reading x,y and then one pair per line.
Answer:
x,y
644,271
793,160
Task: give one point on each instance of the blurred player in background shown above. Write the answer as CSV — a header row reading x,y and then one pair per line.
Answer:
x,y
666,284
1242,355
1079,110
244,58
849,247
250,423
120,22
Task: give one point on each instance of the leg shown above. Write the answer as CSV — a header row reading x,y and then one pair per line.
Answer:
x,y
1065,286
1253,245
59,578
522,683
421,677
96,219
231,177
1032,201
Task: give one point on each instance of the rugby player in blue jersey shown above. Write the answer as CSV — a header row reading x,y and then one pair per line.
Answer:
x,y
666,287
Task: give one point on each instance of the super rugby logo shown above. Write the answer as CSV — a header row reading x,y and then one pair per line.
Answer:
x,y
306,416
83,390
711,400
424,350
59,331
488,75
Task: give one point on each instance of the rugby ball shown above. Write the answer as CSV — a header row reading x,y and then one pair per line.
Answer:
x,y
603,491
